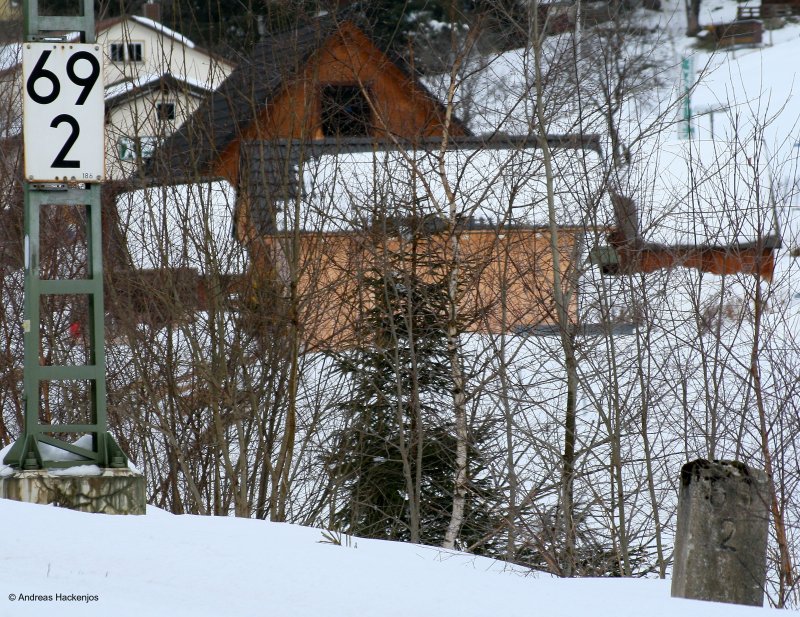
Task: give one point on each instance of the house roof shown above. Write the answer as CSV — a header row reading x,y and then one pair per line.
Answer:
x,y
497,183
226,114
107,24
704,193
123,91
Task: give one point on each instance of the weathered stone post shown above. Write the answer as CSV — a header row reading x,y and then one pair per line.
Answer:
x,y
721,539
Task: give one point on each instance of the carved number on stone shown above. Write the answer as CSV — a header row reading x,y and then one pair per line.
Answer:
x,y
728,531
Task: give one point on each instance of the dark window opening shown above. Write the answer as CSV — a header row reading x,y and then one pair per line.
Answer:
x,y
345,112
134,52
117,52
165,111
126,52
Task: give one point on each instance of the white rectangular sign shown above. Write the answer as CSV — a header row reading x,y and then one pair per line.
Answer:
x,y
63,112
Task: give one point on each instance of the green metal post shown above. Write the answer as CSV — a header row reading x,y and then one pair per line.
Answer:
x,y
687,80
26,452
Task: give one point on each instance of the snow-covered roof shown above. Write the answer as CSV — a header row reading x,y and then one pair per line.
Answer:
x,y
703,193
159,27
121,88
501,187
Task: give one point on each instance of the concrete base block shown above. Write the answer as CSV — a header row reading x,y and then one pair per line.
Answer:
x,y
721,537
113,491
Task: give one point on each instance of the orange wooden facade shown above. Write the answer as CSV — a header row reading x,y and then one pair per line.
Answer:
x,y
729,260
505,277
399,106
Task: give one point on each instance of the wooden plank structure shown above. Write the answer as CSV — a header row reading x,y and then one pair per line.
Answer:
x,y
739,32
767,10
328,88
630,253
779,8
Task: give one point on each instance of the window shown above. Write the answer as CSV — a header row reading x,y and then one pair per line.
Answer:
x,y
127,147
165,111
126,52
135,52
345,112
117,52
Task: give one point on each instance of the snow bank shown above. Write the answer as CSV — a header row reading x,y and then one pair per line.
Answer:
x,y
163,565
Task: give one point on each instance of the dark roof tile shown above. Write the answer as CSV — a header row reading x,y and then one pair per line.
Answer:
x,y
224,115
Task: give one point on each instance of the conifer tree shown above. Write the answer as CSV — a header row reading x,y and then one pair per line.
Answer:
x,y
395,457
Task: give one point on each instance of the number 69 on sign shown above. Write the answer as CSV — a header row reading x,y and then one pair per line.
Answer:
x,y
63,112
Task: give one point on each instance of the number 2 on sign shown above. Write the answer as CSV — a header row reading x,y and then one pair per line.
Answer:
x,y
727,532
87,83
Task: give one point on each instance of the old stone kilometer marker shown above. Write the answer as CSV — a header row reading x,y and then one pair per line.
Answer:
x,y
721,540
63,118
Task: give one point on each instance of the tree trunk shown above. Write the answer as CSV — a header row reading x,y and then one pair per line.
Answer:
x,y
785,570
460,412
692,17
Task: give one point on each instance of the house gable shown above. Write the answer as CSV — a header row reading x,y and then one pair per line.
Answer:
x,y
398,105
277,94
139,48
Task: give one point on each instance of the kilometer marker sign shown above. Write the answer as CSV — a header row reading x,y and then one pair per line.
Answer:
x,y
63,112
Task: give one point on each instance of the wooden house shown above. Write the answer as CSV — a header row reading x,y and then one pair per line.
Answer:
x,y
325,99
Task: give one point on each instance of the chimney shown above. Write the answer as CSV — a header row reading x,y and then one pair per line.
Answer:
x,y
261,27
152,10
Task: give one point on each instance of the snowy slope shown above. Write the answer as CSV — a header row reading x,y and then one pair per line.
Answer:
x,y
164,565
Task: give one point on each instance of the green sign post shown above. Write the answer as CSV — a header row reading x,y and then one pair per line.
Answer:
x,y
687,82
64,154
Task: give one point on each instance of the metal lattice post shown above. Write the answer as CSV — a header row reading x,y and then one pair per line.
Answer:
x,y
78,187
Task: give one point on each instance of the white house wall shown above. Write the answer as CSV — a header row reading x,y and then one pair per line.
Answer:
x,y
161,54
138,120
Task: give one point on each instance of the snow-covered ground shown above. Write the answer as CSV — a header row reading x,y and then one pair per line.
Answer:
x,y
161,565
